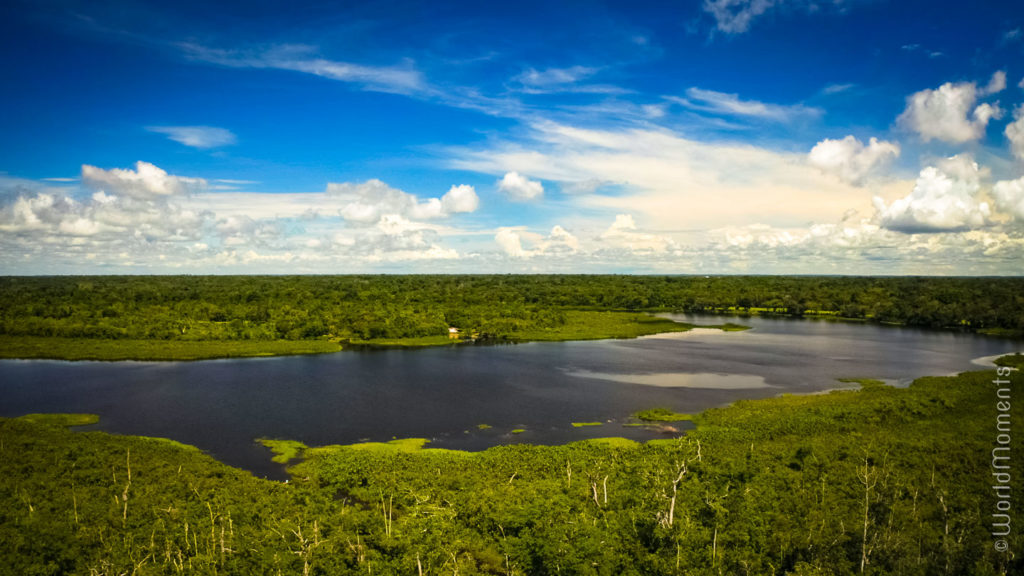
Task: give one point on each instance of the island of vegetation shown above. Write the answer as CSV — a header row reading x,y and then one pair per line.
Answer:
x,y
196,317
869,481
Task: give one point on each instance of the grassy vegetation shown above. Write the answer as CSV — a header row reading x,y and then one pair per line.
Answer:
x,y
1012,360
728,327
112,350
793,485
585,424
661,414
599,325
864,382
284,450
65,420
518,430
411,342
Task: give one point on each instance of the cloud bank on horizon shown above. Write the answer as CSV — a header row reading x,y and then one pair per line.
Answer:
x,y
728,136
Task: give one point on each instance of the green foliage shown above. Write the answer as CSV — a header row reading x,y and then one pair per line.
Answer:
x,y
284,450
1012,360
112,350
864,382
813,484
584,424
190,317
65,420
661,414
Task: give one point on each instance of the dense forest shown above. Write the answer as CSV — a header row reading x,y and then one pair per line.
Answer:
x,y
879,480
266,308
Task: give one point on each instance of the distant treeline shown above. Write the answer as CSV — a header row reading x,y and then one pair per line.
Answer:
x,y
496,306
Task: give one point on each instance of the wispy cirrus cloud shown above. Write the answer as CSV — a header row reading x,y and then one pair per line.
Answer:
x,y
572,79
721,103
736,16
401,79
202,137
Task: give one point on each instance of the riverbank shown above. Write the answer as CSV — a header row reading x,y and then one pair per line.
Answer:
x,y
736,494
579,325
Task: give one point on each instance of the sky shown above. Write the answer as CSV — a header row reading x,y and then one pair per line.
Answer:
x,y
704,137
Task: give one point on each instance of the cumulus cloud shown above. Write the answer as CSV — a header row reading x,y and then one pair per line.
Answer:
x,y
520,188
128,208
1015,133
948,113
202,137
995,85
864,246
511,243
944,198
851,160
372,199
461,198
1009,197
623,234
146,182
558,242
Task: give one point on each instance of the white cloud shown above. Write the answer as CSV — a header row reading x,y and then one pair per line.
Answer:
x,y
850,159
519,187
837,88
197,136
511,243
403,79
570,79
146,182
669,182
944,198
862,246
995,85
128,208
1009,197
366,202
461,198
735,16
559,242
623,233
588,186
731,105
554,76
948,113
1015,133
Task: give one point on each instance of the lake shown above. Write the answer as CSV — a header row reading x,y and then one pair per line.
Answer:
x,y
443,394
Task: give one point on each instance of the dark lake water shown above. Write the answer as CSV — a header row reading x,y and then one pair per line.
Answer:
x,y
443,394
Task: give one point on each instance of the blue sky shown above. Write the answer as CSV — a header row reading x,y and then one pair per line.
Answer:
x,y
716,136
